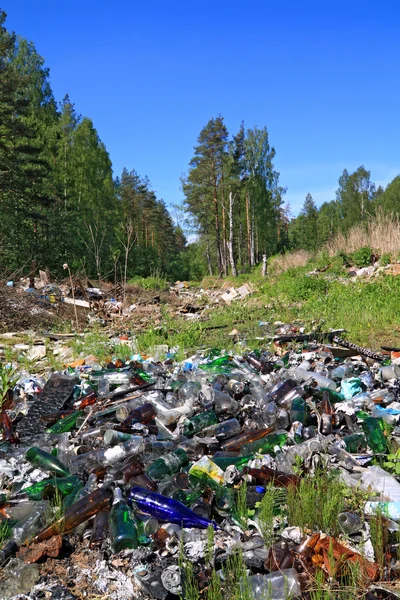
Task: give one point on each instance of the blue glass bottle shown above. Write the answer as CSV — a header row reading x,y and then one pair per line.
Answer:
x,y
166,509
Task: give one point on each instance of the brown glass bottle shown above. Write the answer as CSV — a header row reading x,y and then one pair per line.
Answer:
x,y
87,400
77,513
144,481
265,475
246,437
326,412
142,414
99,529
133,468
8,429
307,546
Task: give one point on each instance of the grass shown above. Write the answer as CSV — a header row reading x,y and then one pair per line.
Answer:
x,y
316,503
240,511
8,379
155,283
4,532
379,538
272,500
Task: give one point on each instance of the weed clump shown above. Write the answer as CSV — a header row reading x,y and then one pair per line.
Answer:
x,y
316,503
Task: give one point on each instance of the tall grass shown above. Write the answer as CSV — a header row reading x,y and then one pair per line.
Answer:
x,y
316,503
289,260
381,233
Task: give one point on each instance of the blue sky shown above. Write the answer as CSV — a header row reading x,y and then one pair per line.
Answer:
x,y
322,76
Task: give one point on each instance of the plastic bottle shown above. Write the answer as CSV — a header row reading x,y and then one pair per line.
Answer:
x,y
123,532
391,510
167,465
279,585
63,453
103,387
26,529
20,578
43,460
320,380
390,372
166,509
350,522
107,457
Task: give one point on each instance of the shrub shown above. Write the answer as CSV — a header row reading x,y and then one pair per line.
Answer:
x,y
362,256
385,259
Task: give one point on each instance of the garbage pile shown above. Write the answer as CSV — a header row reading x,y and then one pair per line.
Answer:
x,y
264,475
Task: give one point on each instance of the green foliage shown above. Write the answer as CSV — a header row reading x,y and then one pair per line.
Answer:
x,y
4,532
266,512
316,503
209,553
8,379
362,257
296,286
385,259
154,283
392,464
240,511
236,585
379,537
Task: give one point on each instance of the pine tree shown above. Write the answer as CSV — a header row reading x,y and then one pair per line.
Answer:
x,y
203,188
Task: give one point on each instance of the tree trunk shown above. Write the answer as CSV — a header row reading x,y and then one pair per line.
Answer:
x,y
209,257
248,228
224,240
264,266
230,243
216,217
252,236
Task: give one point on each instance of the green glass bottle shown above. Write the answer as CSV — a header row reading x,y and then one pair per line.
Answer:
x,y
201,480
123,531
355,442
362,415
146,526
168,465
199,422
65,424
226,461
265,445
72,496
298,410
45,461
333,396
223,364
373,430
186,496
65,485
